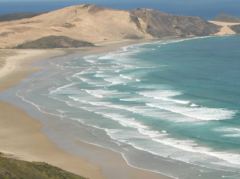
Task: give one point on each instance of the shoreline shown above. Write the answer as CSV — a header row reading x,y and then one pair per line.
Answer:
x,y
17,64
21,135
88,168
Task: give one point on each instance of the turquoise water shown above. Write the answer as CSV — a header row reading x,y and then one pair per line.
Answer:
x,y
173,102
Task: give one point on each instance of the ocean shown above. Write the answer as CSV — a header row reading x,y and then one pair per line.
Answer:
x,y
170,106
205,8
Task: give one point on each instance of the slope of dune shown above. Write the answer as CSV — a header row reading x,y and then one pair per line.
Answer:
x,y
95,24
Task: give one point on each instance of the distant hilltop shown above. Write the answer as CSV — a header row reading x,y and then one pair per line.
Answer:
x,y
86,25
224,17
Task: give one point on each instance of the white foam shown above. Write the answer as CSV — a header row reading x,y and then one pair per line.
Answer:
x,y
129,78
200,113
125,77
38,107
194,105
142,110
229,131
83,79
184,150
181,40
107,56
99,93
130,99
89,57
123,120
115,80
61,88
163,138
164,95
100,75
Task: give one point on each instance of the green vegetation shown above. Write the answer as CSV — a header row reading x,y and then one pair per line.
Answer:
x,y
16,169
236,28
226,18
54,42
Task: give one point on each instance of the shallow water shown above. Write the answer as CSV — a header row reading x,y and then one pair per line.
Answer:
x,y
170,107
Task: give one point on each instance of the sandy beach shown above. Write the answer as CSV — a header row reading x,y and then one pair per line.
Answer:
x,y
21,136
71,98
16,64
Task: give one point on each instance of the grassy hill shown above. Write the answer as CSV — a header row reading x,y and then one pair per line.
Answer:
x,y
236,28
16,169
227,18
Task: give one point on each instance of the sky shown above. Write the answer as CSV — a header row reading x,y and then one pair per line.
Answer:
x,y
204,8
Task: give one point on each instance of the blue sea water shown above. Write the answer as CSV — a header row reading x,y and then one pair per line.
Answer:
x,y
170,106
204,8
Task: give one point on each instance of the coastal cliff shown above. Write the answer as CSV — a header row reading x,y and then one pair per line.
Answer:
x,y
159,24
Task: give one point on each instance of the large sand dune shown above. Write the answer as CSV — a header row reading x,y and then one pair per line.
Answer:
x,y
86,23
95,24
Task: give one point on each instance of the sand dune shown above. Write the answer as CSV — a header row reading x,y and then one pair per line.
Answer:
x,y
82,22
95,24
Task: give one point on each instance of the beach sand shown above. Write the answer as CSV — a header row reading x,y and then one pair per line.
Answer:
x,y
21,136
16,64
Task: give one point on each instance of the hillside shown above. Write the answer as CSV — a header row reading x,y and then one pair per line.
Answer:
x,y
236,28
16,169
54,42
227,28
159,24
227,18
93,24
